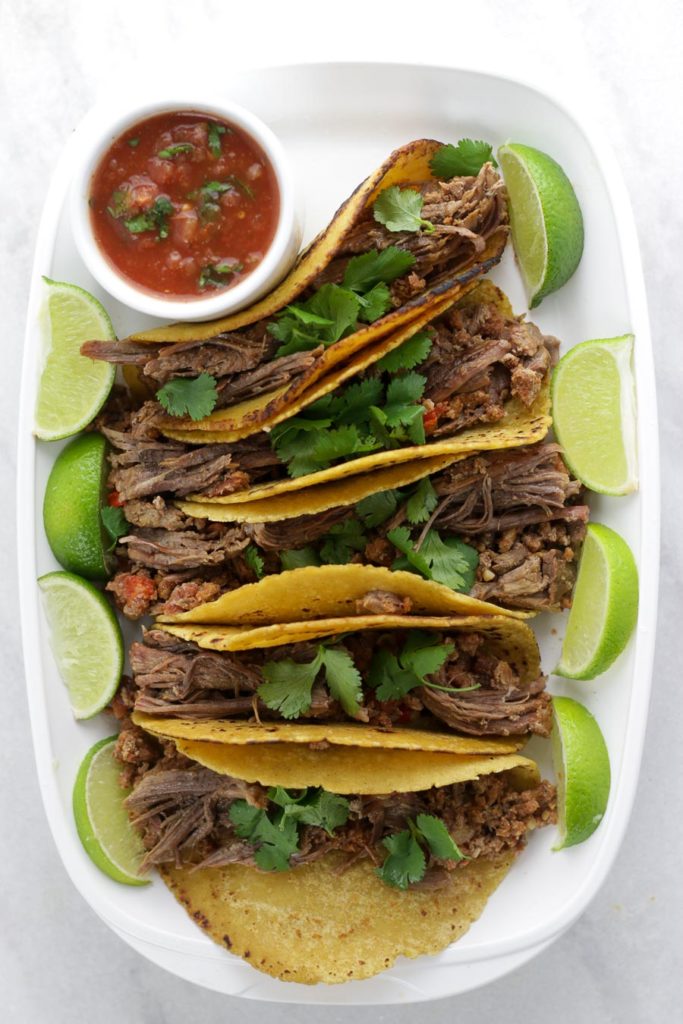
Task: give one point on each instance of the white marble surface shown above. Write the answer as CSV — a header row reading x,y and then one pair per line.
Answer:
x,y
621,962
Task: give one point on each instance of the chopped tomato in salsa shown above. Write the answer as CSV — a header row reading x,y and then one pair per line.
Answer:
x,y
184,204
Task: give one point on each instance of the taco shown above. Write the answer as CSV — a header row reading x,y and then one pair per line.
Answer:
x,y
365,277
310,681
482,385
505,527
397,855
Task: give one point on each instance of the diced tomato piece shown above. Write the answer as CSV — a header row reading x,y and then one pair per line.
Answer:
x,y
114,499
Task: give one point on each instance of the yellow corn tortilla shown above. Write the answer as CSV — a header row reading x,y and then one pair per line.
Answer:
x,y
352,736
338,769
409,163
309,500
322,924
508,639
330,591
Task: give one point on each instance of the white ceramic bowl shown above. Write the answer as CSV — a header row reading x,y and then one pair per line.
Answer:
x,y
97,135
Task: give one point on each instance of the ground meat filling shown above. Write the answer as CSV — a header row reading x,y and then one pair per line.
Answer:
x,y
182,814
176,678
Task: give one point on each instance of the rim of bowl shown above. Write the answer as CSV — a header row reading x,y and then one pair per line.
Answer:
x,y
98,136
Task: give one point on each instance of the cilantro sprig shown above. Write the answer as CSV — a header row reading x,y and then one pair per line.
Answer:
x,y
275,832
194,397
465,159
289,684
400,209
364,417
393,676
449,561
407,863
334,310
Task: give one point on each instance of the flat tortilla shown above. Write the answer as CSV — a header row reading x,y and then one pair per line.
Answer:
x,y
321,924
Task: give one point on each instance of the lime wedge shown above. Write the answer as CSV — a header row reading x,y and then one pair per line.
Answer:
x,y
605,605
583,772
73,388
545,219
86,641
102,822
72,507
594,414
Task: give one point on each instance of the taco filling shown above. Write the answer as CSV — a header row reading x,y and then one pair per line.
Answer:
x,y
376,270
191,815
506,527
386,679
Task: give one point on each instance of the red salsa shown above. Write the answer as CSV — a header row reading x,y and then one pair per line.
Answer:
x,y
184,204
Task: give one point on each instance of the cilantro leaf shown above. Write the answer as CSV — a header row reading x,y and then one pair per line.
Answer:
x,y
394,676
214,132
215,275
254,561
423,655
399,209
171,151
341,541
296,559
276,840
133,143
467,158
115,523
339,443
405,863
438,837
408,387
377,508
450,562
312,807
388,679
375,304
368,269
343,680
154,219
195,397
421,502
408,355
288,685
352,405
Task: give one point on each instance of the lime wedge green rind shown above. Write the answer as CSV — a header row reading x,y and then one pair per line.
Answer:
x,y
583,771
72,388
594,414
605,605
545,219
72,505
86,641
102,822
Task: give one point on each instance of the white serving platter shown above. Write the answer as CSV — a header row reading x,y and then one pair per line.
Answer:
x,y
337,123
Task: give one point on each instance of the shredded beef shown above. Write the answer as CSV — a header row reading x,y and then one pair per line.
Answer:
x,y
177,678
297,532
145,465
